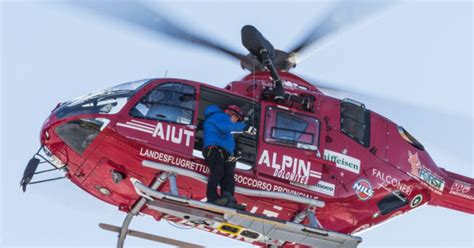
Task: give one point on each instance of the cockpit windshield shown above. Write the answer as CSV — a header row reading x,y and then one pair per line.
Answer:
x,y
108,101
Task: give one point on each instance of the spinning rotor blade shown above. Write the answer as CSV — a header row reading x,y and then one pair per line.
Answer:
x,y
139,14
448,131
376,100
340,16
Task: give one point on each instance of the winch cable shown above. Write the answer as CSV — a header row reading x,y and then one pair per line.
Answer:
x,y
253,124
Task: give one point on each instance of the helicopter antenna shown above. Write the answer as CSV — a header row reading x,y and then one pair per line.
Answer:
x,y
253,95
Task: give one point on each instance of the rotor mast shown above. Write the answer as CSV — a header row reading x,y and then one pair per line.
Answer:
x,y
263,50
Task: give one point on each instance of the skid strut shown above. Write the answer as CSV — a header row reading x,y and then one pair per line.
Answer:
x,y
136,209
307,213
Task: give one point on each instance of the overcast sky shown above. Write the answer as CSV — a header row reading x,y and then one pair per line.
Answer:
x,y
416,57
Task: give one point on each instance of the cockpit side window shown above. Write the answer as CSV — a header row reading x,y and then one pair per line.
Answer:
x,y
410,139
290,129
172,102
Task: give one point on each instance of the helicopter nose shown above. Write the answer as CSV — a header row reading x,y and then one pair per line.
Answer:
x,y
45,133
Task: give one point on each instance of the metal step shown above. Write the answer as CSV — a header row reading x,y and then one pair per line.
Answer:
x,y
240,223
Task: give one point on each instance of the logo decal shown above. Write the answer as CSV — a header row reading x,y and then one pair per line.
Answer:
x,y
461,189
392,181
343,161
363,189
431,179
415,163
161,131
423,173
287,167
324,188
415,202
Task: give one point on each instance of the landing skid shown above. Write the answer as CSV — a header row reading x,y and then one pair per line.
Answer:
x,y
243,225
252,227
150,237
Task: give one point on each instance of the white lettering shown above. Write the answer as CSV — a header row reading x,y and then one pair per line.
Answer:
x,y
175,139
188,134
343,161
303,167
172,133
286,163
392,181
170,159
275,165
159,131
168,132
270,213
290,168
264,159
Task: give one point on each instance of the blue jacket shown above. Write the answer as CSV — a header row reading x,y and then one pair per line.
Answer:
x,y
218,128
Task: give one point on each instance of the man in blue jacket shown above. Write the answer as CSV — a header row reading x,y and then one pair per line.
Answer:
x,y
219,148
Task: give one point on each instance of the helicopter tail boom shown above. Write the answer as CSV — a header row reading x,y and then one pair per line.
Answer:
x,y
457,194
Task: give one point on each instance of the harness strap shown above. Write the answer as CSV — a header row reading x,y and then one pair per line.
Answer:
x,y
221,150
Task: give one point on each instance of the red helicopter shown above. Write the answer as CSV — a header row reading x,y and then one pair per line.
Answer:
x,y
319,170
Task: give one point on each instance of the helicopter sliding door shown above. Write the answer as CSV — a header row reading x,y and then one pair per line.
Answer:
x,y
288,142
164,117
245,144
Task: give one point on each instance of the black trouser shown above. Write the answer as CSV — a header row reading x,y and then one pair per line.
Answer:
x,y
228,181
221,172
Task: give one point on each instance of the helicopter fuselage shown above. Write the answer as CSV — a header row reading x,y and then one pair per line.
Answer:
x,y
364,167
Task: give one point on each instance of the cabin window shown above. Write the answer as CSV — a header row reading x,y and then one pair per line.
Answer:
x,y
109,101
172,102
355,121
410,139
291,129
391,202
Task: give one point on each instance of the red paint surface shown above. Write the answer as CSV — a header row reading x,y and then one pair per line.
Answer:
x,y
385,164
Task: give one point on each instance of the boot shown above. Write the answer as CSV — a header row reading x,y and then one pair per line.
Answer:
x,y
232,202
235,205
222,201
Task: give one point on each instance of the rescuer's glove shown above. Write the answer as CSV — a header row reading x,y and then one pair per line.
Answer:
x,y
250,130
